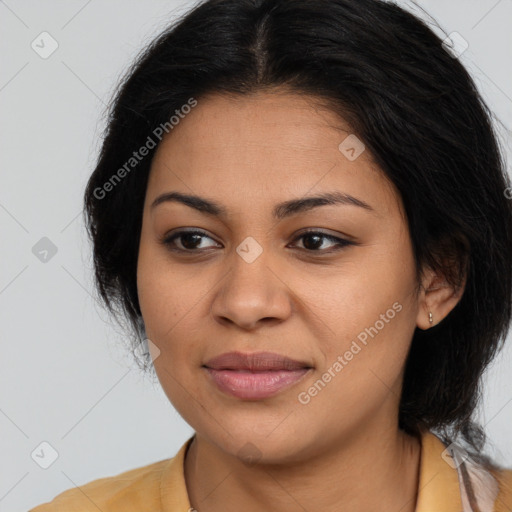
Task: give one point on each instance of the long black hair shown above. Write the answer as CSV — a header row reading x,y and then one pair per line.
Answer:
x,y
405,94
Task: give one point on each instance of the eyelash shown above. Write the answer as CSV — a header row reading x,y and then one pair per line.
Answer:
x,y
341,243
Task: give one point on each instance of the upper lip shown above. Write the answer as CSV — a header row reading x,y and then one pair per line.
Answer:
x,y
254,361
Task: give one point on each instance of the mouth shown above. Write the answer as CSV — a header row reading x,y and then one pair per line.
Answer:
x,y
254,362
255,376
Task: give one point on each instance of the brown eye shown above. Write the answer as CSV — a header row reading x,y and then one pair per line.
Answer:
x,y
315,241
189,240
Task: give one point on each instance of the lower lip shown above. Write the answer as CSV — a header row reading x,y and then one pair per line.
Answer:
x,y
255,385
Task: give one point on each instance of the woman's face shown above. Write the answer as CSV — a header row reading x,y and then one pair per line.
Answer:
x,y
253,282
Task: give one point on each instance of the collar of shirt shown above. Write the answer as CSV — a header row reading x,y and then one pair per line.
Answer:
x,y
438,488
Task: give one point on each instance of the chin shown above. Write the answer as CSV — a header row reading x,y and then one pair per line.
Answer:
x,y
267,445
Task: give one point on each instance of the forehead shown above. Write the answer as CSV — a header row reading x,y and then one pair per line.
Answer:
x,y
272,145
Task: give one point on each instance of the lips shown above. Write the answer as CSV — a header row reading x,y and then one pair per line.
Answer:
x,y
259,361
254,376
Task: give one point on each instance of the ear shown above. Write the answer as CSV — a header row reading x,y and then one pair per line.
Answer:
x,y
437,297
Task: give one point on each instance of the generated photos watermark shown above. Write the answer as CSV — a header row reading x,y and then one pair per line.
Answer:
x,y
305,397
143,151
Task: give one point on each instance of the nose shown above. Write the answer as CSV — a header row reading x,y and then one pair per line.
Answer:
x,y
252,294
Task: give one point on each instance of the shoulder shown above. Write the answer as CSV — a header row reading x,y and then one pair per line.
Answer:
x,y
504,500
136,489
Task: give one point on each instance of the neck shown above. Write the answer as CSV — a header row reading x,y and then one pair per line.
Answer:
x,y
372,471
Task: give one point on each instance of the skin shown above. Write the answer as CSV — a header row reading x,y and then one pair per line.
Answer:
x,y
344,446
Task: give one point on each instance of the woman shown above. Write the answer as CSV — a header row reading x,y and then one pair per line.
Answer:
x,y
301,208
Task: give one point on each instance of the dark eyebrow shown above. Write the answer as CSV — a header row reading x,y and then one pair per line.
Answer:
x,y
280,211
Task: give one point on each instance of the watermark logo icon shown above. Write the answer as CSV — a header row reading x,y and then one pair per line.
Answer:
x,y
154,351
249,249
249,453
454,455
44,455
351,147
146,349
455,44
44,45
44,250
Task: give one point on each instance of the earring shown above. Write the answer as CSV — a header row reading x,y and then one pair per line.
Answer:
x,y
430,317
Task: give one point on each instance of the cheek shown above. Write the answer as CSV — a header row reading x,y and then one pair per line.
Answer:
x,y
355,297
167,301
165,294
173,305
367,328
364,355
369,317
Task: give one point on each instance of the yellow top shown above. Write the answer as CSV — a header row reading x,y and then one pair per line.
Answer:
x,y
160,487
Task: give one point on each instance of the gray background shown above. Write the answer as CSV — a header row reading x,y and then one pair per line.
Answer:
x,y
65,376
